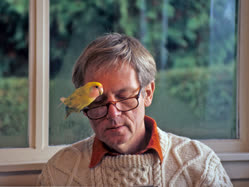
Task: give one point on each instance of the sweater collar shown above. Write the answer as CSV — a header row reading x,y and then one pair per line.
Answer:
x,y
99,149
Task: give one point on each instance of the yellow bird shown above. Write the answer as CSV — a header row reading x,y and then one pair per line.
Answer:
x,y
82,97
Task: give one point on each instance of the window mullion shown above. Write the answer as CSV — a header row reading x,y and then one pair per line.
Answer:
x,y
243,74
42,73
32,74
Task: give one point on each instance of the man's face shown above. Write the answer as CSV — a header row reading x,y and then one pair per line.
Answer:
x,y
120,130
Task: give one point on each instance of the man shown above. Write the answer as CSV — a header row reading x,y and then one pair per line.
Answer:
x,y
128,149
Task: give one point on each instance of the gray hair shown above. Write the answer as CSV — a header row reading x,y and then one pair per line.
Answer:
x,y
112,51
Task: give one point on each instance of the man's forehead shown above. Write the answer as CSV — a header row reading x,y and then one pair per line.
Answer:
x,y
105,67
125,91
116,81
93,73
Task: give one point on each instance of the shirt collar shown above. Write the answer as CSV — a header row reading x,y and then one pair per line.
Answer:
x,y
99,149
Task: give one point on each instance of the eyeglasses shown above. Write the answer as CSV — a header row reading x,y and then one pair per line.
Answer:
x,y
123,105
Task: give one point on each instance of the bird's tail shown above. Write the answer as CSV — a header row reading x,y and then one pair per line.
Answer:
x,y
62,99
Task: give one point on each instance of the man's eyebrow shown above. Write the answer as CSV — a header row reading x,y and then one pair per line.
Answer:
x,y
101,98
123,92
104,97
128,89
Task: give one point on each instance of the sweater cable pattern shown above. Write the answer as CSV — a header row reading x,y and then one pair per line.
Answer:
x,y
185,163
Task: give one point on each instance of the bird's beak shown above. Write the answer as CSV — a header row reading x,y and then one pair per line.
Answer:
x,y
101,90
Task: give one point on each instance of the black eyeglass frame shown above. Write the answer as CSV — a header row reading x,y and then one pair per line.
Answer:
x,y
86,109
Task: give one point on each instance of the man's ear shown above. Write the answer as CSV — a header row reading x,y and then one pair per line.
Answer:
x,y
149,91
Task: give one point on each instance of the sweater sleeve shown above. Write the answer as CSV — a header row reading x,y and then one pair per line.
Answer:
x,y
221,178
68,167
43,179
61,168
216,175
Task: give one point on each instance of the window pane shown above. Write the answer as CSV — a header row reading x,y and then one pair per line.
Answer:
x,y
14,73
193,42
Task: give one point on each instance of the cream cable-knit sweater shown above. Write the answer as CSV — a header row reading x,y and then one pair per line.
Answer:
x,y
186,163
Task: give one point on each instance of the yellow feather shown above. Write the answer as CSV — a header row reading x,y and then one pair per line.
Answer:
x,y
82,97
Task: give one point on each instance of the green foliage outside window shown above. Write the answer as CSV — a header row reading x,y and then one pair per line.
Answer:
x,y
14,38
13,112
180,29
14,73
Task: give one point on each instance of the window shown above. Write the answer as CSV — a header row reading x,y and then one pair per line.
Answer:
x,y
193,43
14,73
232,147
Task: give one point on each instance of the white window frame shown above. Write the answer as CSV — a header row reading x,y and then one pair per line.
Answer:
x,y
38,152
233,153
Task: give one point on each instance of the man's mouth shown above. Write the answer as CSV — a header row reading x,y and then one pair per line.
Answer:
x,y
115,127
116,124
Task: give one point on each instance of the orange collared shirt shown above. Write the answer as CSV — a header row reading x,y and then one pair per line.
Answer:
x,y
99,149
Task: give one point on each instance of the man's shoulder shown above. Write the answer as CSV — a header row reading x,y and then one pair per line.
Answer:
x,y
178,143
194,158
72,154
188,151
65,163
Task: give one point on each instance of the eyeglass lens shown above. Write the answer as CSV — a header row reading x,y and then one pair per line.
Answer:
x,y
123,106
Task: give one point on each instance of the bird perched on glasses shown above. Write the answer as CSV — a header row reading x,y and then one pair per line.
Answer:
x,y
82,97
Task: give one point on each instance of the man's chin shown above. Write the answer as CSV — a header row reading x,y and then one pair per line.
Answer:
x,y
117,143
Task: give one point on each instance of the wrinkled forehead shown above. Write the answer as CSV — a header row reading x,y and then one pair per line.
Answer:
x,y
113,78
101,69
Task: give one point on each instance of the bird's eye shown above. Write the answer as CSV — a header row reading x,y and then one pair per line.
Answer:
x,y
96,87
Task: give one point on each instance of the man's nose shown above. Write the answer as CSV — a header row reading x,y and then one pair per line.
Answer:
x,y
113,111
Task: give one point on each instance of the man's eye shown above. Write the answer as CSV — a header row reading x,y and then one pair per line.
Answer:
x,y
99,99
96,103
120,97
